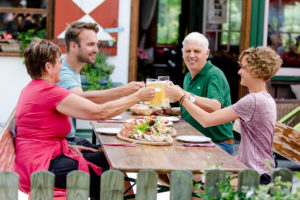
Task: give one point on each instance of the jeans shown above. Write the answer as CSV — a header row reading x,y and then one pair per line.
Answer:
x,y
226,147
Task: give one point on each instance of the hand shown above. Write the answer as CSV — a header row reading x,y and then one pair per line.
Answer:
x,y
78,149
145,94
132,87
174,92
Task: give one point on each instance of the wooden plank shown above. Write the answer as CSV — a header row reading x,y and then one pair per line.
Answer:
x,y
7,148
134,36
164,159
286,142
248,180
285,174
146,185
9,185
78,185
212,178
112,185
42,185
181,185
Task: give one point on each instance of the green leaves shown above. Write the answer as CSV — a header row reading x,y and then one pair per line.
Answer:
x,y
97,75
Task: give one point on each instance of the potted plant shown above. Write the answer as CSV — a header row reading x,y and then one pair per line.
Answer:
x,y
97,75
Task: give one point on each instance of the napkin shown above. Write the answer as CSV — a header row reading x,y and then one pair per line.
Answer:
x,y
199,144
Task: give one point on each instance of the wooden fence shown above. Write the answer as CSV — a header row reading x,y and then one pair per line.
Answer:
x,y
112,184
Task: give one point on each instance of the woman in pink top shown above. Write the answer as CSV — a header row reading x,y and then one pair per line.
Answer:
x,y
256,111
42,122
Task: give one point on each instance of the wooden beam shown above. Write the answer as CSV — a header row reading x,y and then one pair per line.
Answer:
x,y
134,37
246,24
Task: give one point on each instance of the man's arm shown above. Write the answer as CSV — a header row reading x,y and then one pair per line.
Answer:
x,y
102,96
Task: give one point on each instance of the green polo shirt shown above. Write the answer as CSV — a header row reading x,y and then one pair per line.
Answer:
x,y
211,83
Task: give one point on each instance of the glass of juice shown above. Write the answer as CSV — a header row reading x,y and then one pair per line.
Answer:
x,y
165,102
155,103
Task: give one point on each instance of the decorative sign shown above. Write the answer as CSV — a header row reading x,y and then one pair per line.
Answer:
x,y
217,11
103,12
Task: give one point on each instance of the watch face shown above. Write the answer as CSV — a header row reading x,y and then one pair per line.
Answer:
x,y
192,98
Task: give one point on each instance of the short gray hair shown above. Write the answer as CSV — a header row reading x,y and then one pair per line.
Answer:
x,y
197,37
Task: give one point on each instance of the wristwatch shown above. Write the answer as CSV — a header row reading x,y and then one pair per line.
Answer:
x,y
192,98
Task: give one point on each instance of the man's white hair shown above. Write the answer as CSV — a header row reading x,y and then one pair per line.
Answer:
x,y
196,37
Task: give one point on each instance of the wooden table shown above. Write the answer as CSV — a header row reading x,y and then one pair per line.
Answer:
x,y
164,159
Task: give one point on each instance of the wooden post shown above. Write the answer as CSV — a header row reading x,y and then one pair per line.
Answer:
x,y
146,185
213,177
42,185
181,185
9,185
78,185
134,37
112,185
248,180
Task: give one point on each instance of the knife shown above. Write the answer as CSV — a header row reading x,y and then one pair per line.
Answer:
x,y
120,144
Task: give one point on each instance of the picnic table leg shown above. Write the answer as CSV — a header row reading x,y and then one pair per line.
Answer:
x,y
94,137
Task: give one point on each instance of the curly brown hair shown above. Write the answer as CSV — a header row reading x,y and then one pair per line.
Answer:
x,y
262,62
37,54
74,29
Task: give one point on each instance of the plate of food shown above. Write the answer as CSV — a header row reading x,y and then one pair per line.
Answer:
x,y
108,131
149,130
193,138
170,118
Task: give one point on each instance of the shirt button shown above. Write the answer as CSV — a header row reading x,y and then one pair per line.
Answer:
x,y
198,87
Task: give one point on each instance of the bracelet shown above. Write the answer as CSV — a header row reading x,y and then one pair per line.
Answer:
x,y
182,98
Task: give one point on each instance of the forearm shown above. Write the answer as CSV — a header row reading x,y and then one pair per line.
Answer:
x,y
103,96
209,105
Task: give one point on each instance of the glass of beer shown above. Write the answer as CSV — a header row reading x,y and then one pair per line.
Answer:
x,y
165,102
155,103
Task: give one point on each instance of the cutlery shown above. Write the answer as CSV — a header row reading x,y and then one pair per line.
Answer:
x,y
199,145
120,144
110,121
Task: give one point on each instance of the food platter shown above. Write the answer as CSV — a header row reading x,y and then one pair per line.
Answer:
x,y
148,130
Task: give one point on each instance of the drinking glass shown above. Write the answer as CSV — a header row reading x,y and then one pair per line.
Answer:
x,y
165,102
155,102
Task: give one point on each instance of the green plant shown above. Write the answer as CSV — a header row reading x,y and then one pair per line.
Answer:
x,y
98,72
29,35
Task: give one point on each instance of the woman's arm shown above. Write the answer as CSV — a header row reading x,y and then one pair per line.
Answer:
x,y
206,119
81,108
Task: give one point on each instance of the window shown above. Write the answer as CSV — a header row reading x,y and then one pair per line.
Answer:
x,y
223,24
284,30
168,21
23,19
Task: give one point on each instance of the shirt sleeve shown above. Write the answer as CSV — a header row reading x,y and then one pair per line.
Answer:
x,y
55,95
215,89
67,79
245,107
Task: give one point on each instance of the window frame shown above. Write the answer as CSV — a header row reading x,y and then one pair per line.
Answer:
x,y
49,22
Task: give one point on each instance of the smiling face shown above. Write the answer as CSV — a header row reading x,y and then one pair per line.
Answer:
x,y
194,56
87,48
246,77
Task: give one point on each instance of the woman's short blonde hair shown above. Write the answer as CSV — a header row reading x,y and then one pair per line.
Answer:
x,y
37,54
262,62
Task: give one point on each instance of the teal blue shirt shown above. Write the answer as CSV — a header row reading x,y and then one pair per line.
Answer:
x,y
69,79
211,83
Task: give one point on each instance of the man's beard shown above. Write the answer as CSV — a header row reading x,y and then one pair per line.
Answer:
x,y
84,59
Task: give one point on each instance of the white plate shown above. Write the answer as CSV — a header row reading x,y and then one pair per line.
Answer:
x,y
193,138
109,131
116,117
170,118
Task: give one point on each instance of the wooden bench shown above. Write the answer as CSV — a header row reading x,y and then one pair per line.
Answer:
x,y
7,148
112,184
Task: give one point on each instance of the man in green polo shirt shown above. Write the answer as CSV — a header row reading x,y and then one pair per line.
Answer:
x,y
207,87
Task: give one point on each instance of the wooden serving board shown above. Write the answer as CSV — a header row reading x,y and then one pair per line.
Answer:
x,y
144,141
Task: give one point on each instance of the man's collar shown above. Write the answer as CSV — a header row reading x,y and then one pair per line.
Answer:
x,y
204,70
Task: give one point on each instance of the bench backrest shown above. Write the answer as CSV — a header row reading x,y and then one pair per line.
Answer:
x,y
7,148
